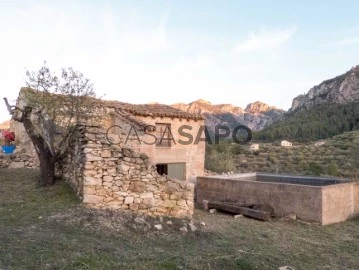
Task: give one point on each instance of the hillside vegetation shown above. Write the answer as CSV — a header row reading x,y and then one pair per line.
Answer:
x,y
339,156
320,122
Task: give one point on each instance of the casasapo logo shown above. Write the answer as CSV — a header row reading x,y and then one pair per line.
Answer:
x,y
165,135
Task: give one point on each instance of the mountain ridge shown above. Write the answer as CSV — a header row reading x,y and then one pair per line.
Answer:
x,y
341,89
256,115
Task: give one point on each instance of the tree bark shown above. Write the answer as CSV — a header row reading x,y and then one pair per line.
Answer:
x,y
46,158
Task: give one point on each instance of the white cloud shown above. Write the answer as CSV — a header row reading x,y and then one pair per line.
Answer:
x,y
265,39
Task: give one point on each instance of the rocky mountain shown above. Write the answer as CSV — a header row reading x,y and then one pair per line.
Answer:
x,y
341,89
256,115
5,125
259,107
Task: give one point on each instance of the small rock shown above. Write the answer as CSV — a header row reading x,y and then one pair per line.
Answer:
x,y
304,222
161,219
169,222
203,224
139,220
192,227
183,230
286,268
212,211
205,205
129,200
289,217
158,227
238,216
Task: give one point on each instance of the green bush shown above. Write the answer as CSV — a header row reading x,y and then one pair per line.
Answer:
x,y
315,168
220,162
333,170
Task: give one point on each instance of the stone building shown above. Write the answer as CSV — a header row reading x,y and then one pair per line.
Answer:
x,y
286,144
172,139
141,158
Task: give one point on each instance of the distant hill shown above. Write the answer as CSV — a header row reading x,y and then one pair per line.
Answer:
x,y
328,109
5,125
335,156
256,115
319,122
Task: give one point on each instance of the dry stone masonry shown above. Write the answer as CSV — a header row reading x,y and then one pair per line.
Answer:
x,y
108,176
18,160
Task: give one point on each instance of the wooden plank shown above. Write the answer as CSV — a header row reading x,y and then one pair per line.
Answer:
x,y
235,209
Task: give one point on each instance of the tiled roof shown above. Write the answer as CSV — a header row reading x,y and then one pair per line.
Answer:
x,y
132,110
125,116
155,110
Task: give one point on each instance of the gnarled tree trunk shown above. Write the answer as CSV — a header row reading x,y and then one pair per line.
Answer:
x,y
46,158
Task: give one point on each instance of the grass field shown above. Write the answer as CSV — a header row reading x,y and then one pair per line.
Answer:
x,y
48,229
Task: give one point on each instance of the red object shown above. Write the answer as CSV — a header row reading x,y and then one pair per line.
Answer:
x,y
9,136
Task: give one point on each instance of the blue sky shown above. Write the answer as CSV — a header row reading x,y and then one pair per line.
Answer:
x,y
179,51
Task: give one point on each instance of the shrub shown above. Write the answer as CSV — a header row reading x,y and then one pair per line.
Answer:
x,y
220,162
333,170
315,168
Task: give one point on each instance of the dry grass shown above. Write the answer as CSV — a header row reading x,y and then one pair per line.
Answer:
x,y
48,229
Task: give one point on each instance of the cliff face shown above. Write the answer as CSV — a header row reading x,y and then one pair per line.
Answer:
x,y
256,116
260,107
341,89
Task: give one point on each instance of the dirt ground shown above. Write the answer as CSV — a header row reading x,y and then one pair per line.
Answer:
x,y
47,228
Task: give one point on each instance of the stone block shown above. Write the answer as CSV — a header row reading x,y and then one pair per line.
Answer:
x,y
129,200
91,157
101,192
137,186
175,196
106,153
147,195
91,181
89,190
89,172
169,203
134,207
138,200
182,203
118,183
107,184
122,193
108,178
92,199
123,168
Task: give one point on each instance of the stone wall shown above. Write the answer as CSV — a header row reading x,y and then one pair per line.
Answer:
x,y
192,154
340,202
108,176
24,155
304,201
321,204
18,160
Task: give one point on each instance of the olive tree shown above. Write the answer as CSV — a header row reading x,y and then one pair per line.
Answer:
x,y
50,107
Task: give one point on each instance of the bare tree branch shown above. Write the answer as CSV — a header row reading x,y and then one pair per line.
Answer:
x,y
56,105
